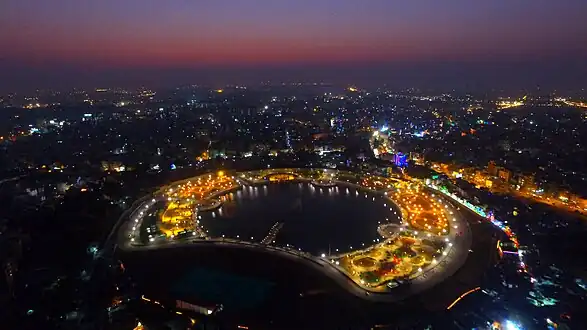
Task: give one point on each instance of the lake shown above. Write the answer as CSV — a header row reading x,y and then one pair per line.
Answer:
x,y
315,220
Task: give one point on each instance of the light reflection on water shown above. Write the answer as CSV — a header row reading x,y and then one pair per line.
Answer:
x,y
313,217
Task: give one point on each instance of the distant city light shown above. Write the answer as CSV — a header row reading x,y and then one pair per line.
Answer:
x,y
510,325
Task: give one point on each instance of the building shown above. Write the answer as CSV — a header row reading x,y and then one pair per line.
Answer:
x,y
526,182
492,168
417,158
400,159
504,174
114,166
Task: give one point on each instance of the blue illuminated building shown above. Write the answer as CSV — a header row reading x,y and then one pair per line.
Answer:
x,y
400,159
337,125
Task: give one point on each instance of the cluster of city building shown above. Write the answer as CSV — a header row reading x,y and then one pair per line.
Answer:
x,y
498,179
91,154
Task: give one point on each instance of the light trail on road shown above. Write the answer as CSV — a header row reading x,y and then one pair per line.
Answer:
x,y
462,296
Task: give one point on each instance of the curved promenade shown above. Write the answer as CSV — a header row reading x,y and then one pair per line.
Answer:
x,y
453,257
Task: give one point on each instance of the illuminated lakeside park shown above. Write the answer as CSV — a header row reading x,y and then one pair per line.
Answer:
x,y
379,232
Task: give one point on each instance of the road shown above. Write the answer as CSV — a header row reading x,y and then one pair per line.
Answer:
x,y
270,238
12,179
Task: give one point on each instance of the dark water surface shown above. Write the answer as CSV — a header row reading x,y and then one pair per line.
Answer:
x,y
316,220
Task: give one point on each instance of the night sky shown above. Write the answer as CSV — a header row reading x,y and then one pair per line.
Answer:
x,y
69,42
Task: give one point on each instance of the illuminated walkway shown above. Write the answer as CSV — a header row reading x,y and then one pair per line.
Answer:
x,y
430,227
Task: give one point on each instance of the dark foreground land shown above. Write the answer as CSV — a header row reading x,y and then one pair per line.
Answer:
x,y
267,291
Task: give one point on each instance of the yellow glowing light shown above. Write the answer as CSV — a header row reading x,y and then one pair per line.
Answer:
x,y
462,296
